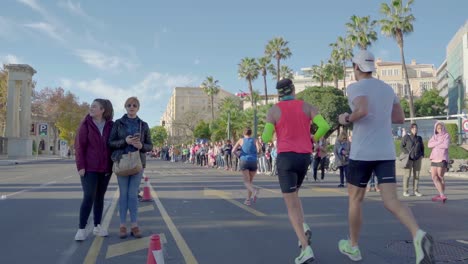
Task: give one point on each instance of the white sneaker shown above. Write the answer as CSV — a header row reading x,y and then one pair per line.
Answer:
x,y
406,194
80,235
100,231
418,194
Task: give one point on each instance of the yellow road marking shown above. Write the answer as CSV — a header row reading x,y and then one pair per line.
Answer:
x,y
266,189
226,196
95,248
123,248
183,247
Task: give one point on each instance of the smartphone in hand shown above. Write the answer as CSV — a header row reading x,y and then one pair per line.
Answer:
x,y
136,135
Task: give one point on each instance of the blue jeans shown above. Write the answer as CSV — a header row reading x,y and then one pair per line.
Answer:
x,y
128,200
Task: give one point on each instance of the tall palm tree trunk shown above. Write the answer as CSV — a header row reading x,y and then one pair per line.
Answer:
x,y
278,68
344,77
335,80
212,108
266,90
251,93
408,87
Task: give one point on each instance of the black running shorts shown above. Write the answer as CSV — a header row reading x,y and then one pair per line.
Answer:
x,y
292,168
359,172
248,165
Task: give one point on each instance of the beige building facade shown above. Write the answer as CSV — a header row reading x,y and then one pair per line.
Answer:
x,y
422,77
186,108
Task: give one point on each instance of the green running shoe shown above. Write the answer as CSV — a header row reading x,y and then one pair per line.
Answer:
x,y
423,246
345,248
306,256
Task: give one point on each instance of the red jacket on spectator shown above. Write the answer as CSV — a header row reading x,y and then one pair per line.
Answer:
x,y
92,151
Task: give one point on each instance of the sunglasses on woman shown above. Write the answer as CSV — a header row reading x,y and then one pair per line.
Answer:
x,y
130,105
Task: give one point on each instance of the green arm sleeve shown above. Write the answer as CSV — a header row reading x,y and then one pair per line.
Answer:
x,y
322,125
268,132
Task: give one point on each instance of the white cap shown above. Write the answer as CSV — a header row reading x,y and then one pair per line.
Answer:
x,y
365,61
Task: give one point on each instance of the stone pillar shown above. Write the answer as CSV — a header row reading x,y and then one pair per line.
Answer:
x,y
19,110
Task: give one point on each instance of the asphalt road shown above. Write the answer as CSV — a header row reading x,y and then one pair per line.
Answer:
x,y
200,216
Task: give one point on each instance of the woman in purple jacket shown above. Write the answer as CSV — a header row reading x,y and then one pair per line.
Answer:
x,y
439,143
93,161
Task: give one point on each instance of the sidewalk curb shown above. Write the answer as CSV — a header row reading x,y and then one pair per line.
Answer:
x,y
19,162
457,175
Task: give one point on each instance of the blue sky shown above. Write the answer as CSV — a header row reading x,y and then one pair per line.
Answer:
x,y
117,49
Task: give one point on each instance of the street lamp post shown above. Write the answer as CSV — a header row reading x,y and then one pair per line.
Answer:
x,y
458,82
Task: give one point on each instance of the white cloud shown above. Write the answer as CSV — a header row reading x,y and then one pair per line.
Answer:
x,y
9,59
46,28
73,8
102,61
76,9
32,4
153,91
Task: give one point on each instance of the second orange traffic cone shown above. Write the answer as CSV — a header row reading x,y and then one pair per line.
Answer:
x,y
146,192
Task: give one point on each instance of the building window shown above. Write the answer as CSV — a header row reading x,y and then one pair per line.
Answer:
x,y
396,72
425,86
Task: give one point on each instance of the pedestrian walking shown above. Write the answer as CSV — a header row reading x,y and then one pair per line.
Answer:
x,y
413,145
291,120
374,108
248,163
341,151
439,143
320,158
130,134
94,164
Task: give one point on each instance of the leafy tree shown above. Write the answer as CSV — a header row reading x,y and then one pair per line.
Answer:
x,y
278,49
430,104
46,104
265,66
397,22
330,102
405,106
361,31
452,129
158,135
211,88
230,106
248,70
202,130
71,113
285,73
187,123
3,100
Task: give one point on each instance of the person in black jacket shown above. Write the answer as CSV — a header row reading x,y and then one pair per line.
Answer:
x,y
412,144
130,134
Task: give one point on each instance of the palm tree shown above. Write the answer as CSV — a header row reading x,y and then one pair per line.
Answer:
x,y
248,70
334,70
278,49
398,22
285,73
211,88
342,49
319,73
361,31
264,63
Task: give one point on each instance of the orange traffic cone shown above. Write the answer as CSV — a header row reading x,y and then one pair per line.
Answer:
x,y
155,253
146,192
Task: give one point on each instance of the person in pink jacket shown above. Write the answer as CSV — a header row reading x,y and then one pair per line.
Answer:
x,y
439,143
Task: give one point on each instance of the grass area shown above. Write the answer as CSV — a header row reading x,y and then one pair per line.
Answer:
x,y
455,152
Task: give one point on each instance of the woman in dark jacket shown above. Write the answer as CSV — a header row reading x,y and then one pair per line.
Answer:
x,y
93,162
413,145
130,134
